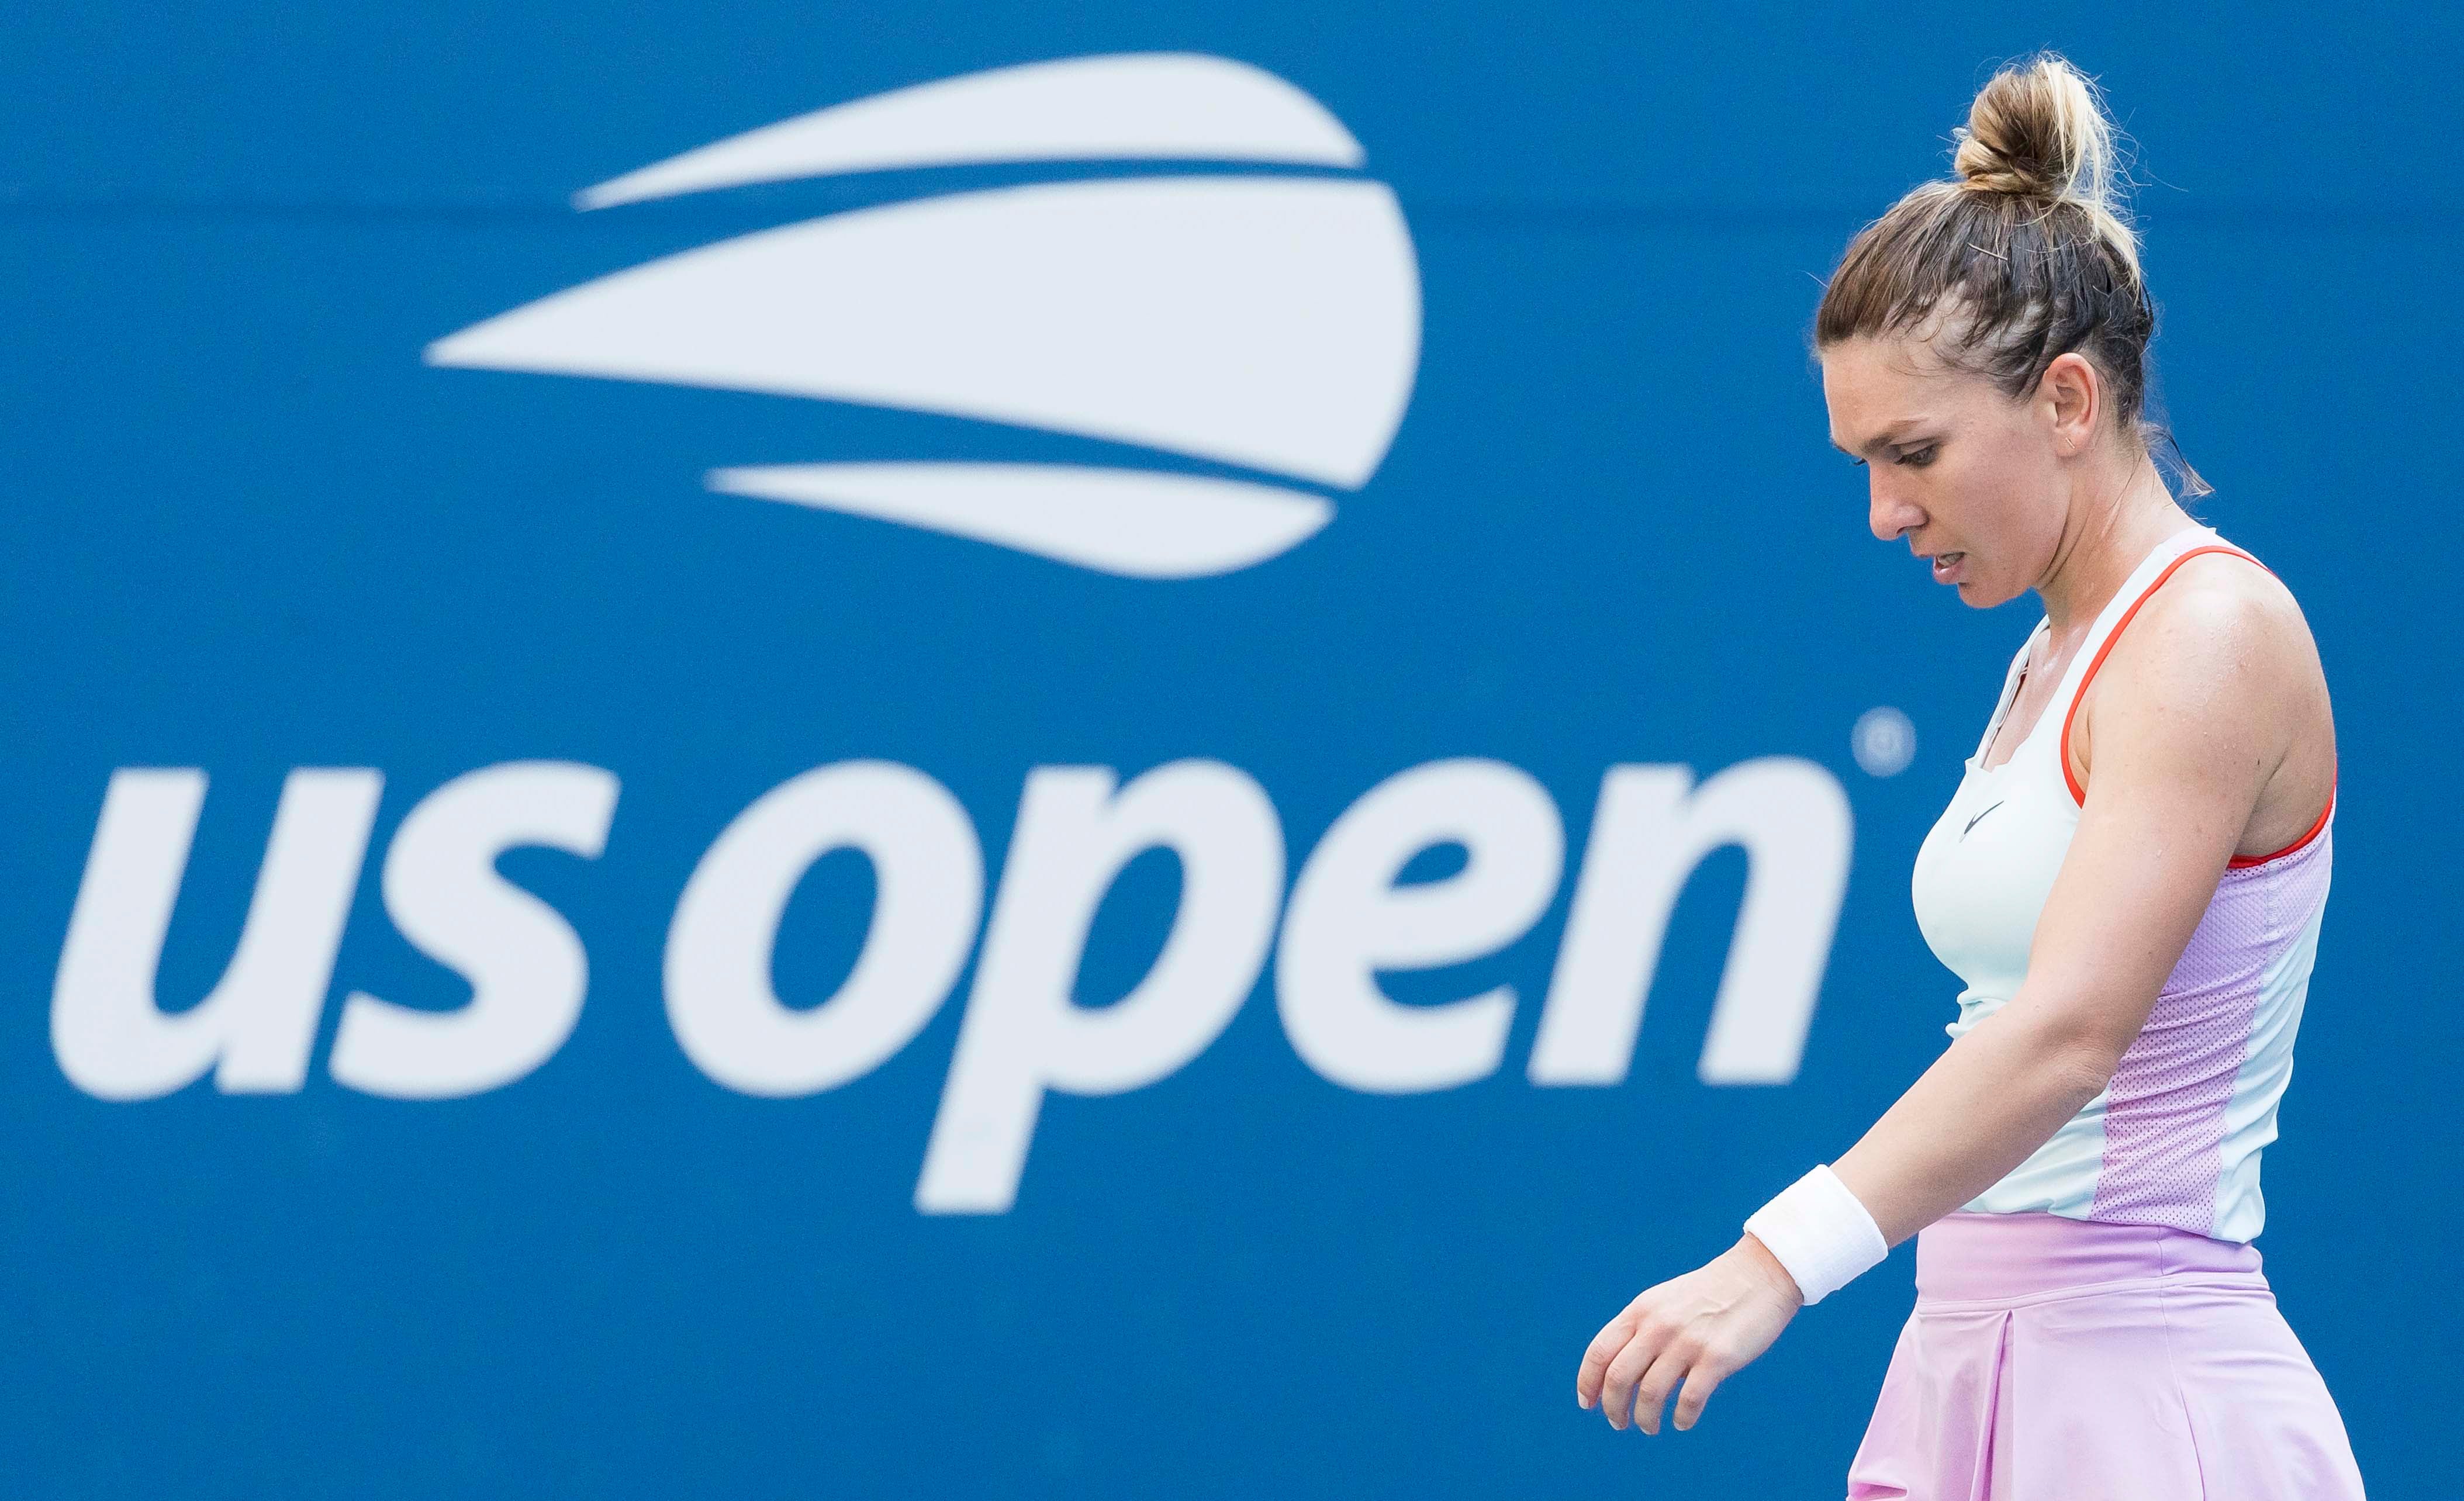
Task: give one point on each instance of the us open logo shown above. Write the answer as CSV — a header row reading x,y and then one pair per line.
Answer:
x,y
1255,336
1268,323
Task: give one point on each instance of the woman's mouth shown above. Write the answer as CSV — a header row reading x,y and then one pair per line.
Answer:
x,y
1946,567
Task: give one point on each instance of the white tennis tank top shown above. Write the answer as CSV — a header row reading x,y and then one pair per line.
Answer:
x,y
2175,1139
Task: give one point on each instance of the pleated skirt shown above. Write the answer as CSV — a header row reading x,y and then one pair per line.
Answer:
x,y
2056,1360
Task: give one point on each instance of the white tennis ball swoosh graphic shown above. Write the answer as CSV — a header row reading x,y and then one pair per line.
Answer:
x,y
1266,321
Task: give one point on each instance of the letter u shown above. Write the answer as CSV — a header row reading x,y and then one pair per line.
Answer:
x,y
260,1022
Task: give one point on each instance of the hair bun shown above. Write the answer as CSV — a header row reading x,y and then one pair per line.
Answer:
x,y
2036,130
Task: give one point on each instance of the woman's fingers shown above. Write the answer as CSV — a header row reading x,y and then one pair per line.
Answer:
x,y
1624,1373
1650,1394
1603,1349
1702,1379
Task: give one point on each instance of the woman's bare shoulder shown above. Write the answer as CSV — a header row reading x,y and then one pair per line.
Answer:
x,y
2224,643
2220,618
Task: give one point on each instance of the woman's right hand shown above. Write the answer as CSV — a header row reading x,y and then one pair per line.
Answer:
x,y
1696,1330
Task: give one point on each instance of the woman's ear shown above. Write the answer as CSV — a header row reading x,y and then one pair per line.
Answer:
x,y
2071,396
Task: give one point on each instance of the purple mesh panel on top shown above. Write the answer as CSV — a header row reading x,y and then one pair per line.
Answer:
x,y
2164,1113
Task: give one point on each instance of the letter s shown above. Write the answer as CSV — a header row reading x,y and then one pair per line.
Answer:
x,y
525,964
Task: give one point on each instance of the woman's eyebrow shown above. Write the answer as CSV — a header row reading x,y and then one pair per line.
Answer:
x,y
1892,433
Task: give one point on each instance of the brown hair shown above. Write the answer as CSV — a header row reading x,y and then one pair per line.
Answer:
x,y
2028,254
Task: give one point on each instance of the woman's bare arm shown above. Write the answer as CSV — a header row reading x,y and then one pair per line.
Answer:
x,y
2194,712
2192,720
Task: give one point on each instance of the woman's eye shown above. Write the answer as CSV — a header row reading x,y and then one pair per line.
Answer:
x,y
1918,458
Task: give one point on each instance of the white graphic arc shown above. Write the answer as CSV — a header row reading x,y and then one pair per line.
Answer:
x,y
1139,106
1268,323
1131,523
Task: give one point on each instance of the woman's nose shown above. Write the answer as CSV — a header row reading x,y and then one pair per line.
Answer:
x,y
1891,514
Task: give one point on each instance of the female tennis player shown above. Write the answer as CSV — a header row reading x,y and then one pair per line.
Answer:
x,y
2130,880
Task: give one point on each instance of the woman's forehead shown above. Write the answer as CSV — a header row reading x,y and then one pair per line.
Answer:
x,y
1903,367
1903,362
1876,386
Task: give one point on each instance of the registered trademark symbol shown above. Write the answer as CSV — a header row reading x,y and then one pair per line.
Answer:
x,y
1883,741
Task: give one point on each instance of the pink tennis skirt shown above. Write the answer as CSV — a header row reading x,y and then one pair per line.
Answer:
x,y
2055,1359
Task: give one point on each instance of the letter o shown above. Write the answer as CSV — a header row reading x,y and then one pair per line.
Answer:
x,y
929,889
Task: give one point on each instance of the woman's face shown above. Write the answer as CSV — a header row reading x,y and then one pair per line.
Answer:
x,y
1972,478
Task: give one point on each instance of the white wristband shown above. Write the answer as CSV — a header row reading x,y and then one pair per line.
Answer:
x,y
1820,1232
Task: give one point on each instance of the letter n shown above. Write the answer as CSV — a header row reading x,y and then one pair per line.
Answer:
x,y
1652,828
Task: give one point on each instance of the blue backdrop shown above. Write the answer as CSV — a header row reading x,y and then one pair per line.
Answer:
x,y
251,529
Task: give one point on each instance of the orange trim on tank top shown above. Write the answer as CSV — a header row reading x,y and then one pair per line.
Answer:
x,y
2078,794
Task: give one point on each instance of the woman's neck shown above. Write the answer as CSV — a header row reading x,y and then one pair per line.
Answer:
x,y
2117,518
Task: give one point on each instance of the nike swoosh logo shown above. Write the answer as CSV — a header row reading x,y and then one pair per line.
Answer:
x,y
1973,823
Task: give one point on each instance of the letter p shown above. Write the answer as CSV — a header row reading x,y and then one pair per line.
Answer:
x,y
1024,1035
